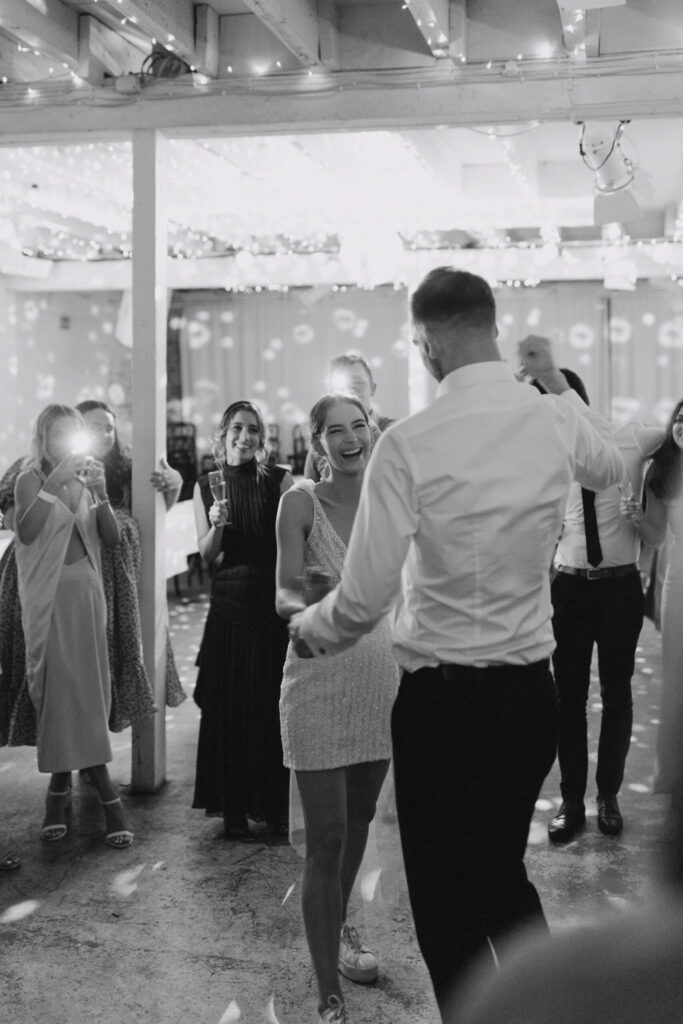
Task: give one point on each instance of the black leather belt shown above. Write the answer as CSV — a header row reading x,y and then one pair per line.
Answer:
x,y
599,574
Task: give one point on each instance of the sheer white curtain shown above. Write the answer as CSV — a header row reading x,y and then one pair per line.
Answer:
x,y
274,347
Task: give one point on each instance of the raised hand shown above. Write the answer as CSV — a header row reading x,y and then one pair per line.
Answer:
x,y
165,477
73,466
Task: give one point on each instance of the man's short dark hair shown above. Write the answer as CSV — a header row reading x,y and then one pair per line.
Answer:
x,y
574,381
447,295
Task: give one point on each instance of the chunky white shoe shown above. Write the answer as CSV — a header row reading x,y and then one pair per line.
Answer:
x,y
355,962
336,1014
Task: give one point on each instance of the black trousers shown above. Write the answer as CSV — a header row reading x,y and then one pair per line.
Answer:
x,y
608,613
471,750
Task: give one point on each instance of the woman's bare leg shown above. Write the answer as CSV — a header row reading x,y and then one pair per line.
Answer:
x,y
363,785
56,804
114,816
324,803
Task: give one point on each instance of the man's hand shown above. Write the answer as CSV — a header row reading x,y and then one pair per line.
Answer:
x,y
535,355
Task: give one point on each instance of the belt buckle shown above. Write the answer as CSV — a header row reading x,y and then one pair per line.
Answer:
x,y
592,574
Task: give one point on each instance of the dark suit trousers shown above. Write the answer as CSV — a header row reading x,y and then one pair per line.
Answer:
x,y
471,751
608,613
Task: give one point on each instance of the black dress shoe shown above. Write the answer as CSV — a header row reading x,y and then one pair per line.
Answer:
x,y
567,822
610,821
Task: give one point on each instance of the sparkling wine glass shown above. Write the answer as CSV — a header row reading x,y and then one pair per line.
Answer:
x,y
218,485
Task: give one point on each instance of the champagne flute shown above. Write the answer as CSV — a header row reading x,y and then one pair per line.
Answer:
x,y
219,489
218,485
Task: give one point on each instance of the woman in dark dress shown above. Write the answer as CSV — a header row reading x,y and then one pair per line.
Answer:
x,y
240,773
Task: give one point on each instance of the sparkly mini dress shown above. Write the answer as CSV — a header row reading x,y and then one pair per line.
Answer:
x,y
335,710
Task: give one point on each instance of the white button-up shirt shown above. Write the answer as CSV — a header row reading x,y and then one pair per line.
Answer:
x,y
619,539
465,500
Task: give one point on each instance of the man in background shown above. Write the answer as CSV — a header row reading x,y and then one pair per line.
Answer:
x,y
598,602
350,372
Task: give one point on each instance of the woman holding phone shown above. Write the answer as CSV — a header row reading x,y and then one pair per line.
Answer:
x,y
62,515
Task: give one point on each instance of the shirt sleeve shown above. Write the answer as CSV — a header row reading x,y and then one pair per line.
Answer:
x,y
598,463
386,520
599,422
648,439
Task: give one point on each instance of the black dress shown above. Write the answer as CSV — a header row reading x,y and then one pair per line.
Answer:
x,y
239,759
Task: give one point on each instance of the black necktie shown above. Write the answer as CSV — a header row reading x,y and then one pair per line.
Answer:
x,y
590,522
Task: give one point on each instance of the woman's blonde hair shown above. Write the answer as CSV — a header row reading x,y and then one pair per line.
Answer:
x,y
228,416
39,459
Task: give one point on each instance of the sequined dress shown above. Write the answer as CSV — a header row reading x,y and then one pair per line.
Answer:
x,y
336,710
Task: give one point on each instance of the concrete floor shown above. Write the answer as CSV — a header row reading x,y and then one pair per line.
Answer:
x,y
184,928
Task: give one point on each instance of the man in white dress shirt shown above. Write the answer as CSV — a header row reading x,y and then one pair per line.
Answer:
x,y
466,499
598,601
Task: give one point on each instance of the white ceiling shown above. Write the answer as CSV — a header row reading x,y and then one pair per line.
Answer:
x,y
76,63
441,188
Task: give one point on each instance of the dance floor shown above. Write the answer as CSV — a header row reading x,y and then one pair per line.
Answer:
x,y
185,928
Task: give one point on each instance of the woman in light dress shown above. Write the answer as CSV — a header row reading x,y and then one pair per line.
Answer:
x,y
664,513
335,710
132,696
62,514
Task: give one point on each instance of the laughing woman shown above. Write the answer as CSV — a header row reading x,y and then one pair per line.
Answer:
x,y
239,760
334,711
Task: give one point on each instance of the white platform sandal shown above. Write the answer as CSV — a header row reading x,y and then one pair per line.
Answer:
x,y
122,839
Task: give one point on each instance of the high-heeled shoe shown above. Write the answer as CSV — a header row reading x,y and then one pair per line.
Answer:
x,y
53,833
121,839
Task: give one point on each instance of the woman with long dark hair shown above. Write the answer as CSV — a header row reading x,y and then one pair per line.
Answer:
x,y
132,697
664,513
240,773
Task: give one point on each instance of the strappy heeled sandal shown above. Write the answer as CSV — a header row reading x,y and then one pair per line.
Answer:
x,y
9,862
122,839
53,833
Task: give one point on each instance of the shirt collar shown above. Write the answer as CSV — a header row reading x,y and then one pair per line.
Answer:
x,y
475,373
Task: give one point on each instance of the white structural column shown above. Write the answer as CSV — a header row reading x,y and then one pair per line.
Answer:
x,y
149,438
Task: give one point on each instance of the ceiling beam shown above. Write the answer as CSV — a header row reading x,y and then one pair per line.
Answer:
x,y
207,39
367,102
52,29
432,18
20,66
102,50
457,46
169,22
592,33
295,23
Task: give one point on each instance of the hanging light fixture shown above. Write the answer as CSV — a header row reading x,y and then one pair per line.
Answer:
x,y
601,152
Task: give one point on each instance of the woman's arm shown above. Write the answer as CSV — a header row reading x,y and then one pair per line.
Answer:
x,y
286,482
34,500
651,524
107,523
294,521
209,530
31,512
